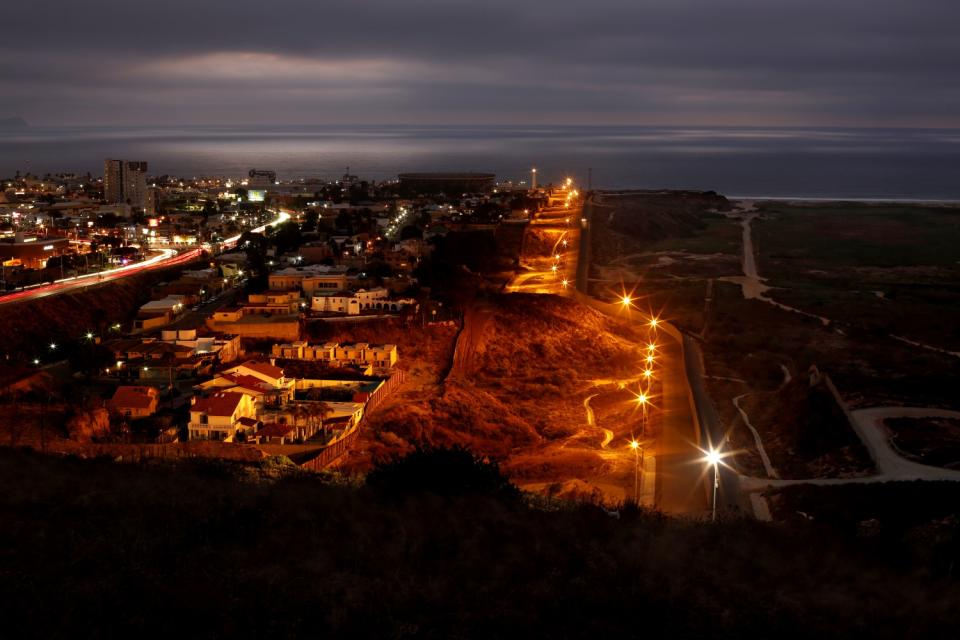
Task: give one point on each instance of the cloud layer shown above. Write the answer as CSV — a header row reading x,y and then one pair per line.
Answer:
x,y
710,62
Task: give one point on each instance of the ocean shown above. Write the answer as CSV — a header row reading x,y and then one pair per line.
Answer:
x,y
911,164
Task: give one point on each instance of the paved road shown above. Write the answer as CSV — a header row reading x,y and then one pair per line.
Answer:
x,y
681,486
729,495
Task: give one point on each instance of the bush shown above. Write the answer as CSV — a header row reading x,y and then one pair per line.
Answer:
x,y
445,472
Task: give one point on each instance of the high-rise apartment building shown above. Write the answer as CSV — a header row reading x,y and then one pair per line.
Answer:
x,y
125,181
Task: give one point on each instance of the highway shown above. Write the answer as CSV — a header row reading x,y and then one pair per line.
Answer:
x,y
164,259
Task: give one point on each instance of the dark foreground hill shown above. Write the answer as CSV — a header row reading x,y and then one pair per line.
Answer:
x,y
99,549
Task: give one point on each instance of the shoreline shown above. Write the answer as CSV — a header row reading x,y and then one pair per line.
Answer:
x,y
955,201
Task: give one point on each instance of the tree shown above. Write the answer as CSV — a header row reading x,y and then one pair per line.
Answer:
x,y
446,472
209,209
411,232
310,220
287,237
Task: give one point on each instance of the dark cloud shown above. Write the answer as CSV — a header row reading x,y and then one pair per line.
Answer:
x,y
816,62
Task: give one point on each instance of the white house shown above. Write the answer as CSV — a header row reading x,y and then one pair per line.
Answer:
x,y
222,416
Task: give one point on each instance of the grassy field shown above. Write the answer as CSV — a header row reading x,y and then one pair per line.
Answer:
x,y
885,268
876,271
792,237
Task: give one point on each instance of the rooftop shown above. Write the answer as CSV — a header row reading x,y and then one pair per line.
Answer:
x,y
219,404
134,397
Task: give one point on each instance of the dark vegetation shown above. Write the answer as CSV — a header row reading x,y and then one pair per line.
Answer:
x,y
656,215
465,262
933,441
805,432
912,526
834,259
216,549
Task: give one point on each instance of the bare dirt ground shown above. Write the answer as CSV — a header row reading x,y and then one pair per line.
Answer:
x,y
522,369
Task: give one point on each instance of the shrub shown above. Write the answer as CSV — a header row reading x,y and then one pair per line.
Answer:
x,y
447,472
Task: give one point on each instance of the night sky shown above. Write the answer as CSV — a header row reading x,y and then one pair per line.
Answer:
x,y
698,62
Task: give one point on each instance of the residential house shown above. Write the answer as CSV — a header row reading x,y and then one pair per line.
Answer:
x,y
222,416
134,402
382,356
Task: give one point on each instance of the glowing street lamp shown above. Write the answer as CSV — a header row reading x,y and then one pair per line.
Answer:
x,y
648,373
565,283
649,359
89,335
642,400
653,323
651,347
553,268
713,458
625,301
53,346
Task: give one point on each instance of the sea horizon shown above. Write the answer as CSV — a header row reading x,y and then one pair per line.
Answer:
x,y
784,162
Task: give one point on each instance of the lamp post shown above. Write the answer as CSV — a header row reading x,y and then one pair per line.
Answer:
x,y
713,459
642,401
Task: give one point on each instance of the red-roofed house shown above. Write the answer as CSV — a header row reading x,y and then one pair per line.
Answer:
x,y
134,402
277,433
265,372
222,416
260,390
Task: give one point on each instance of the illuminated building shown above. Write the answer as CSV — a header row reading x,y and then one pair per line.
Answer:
x,y
125,182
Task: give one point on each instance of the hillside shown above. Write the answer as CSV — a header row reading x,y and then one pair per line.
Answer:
x,y
66,317
221,550
523,366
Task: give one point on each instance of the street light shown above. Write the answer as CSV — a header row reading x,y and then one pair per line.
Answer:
x,y
653,323
53,346
625,301
642,400
713,458
638,462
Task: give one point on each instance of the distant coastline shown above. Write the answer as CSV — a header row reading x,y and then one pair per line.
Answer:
x,y
827,199
883,165
15,122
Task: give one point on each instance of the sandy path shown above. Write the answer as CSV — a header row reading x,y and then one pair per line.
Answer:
x,y
891,466
771,472
752,286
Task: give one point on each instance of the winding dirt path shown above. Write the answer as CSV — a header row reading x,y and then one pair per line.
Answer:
x,y
891,466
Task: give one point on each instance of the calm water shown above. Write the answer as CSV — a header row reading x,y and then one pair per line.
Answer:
x,y
850,163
